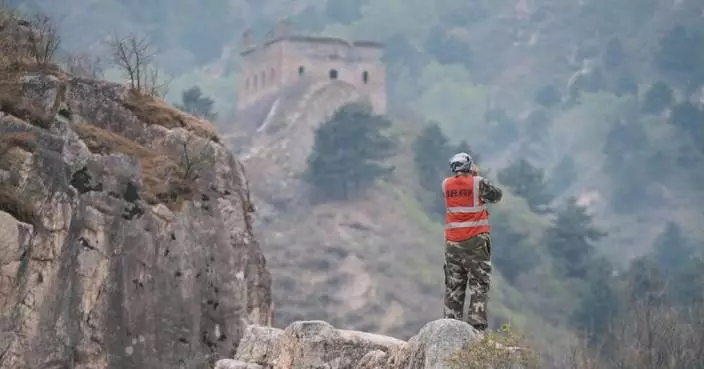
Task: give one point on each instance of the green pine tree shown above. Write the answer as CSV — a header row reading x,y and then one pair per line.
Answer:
x,y
570,240
599,303
346,153
430,155
194,102
658,98
528,182
431,151
672,249
463,146
511,253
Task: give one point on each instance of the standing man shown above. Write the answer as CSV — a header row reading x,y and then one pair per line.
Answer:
x,y
467,240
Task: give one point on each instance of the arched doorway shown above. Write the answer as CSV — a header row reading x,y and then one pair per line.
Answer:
x,y
365,77
333,73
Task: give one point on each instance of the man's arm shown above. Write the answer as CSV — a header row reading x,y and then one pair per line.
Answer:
x,y
488,192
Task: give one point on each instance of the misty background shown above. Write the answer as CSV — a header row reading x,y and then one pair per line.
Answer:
x,y
589,113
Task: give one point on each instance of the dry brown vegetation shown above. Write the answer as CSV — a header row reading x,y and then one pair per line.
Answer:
x,y
652,329
27,141
43,40
16,205
164,180
28,41
11,101
134,56
28,45
156,111
83,65
649,337
503,349
194,158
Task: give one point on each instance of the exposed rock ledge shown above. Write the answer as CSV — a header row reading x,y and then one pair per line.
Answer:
x,y
317,344
125,232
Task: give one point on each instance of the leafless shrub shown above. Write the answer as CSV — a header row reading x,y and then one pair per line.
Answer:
x,y
157,84
647,335
10,37
12,202
43,39
26,44
195,158
84,65
134,56
503,349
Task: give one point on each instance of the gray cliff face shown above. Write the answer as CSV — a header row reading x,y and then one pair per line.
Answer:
x,y
125,233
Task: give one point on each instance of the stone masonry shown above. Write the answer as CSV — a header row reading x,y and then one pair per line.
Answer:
x,y
285,58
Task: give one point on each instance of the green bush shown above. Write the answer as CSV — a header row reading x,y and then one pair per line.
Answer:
x,y
502,349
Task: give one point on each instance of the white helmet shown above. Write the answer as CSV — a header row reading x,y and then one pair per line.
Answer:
x,y
461,163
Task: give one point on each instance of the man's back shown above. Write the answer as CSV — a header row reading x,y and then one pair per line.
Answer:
x,y
466,212
468,240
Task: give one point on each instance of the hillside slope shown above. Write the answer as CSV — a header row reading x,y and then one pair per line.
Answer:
x,y
550,81
373,264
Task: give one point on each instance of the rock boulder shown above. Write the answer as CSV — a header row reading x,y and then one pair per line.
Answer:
x,y
317,344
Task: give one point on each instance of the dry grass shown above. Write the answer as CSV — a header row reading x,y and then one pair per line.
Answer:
x,y
504,349
27,141
25,51
155,111
646,336
164,180
12,104
29,45
12,203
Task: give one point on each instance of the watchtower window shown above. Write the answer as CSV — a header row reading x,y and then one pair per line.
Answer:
x,y
365,77
263,78
333,74
254,81
301,70
272,75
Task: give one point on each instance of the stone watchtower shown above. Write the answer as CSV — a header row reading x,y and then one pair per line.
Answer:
x,y
285,58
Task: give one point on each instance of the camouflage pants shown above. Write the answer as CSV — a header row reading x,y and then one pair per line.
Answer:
x,y
468,262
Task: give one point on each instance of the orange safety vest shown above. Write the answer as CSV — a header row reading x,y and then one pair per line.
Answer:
x,y
466,213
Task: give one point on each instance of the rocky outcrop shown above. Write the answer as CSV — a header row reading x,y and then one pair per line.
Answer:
x,y
317,344
125,232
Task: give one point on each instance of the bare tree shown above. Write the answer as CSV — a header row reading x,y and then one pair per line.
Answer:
x,y
84,65
647,335
43,40
134,55
156,84
10,36
195,158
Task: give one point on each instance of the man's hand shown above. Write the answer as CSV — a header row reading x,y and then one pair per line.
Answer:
x,y
475,170
489,192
